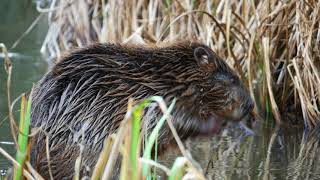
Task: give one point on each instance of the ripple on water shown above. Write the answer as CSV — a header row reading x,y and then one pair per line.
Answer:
x,y
266,155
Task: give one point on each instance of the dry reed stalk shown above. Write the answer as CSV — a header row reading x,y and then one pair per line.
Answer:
x,y
33,171
103,158
265,43
15,163
8,68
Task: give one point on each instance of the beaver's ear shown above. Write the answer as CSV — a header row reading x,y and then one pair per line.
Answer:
x,y
204,59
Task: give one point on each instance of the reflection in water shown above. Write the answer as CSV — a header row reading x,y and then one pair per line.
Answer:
x,y
306,165
266,155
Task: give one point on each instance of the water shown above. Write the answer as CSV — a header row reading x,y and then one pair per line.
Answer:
x,y
265,155
28,64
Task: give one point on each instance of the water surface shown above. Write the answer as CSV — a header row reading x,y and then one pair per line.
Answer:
x,y
28,64
268,154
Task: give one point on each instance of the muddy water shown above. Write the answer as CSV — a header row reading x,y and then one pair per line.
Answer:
x,y
231,155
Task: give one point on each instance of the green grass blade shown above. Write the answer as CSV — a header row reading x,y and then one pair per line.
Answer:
x,y
135,136
178,169
152,138
23,135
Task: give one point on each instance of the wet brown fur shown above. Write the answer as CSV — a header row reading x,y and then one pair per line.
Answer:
x,y
84,97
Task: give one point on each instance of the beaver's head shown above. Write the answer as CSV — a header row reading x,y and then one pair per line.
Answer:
x,y
212,93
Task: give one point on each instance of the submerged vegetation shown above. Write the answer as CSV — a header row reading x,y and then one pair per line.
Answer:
x,y
272,45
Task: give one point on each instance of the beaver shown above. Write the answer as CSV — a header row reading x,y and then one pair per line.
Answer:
x,y
83,98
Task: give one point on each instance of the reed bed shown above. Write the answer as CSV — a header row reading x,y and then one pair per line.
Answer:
x,y
273,45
